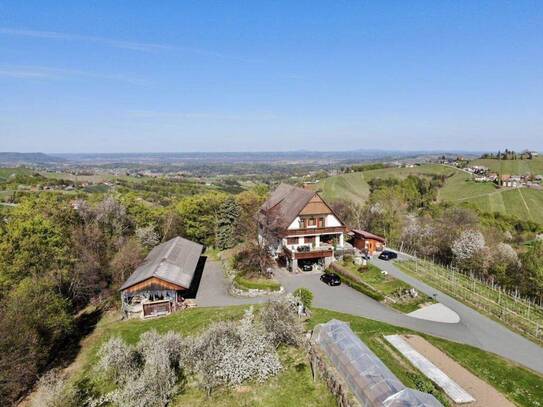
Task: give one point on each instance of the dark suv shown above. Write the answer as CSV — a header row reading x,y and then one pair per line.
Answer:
x,y
331,279
388,255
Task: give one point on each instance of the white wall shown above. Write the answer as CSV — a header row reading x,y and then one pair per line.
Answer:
x,y
331,221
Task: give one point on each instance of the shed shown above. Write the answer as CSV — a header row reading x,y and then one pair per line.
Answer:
x,y
368,242
370,381
157,286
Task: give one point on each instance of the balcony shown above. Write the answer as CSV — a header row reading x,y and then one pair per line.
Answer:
x,y
324,250
315,231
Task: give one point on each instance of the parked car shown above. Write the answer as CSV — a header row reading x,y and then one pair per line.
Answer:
x,y
306,266
332,279
388,255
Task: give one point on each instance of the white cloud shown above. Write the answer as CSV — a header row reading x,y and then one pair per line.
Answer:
x,y
47,73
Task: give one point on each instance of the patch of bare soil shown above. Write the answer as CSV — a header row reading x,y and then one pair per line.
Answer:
x,y
485,395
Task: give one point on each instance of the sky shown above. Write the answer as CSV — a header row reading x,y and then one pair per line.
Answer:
x,y
184,76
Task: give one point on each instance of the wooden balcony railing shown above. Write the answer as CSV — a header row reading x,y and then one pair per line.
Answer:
x,y
315,231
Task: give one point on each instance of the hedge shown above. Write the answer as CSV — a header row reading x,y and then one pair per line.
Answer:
x,y
357,283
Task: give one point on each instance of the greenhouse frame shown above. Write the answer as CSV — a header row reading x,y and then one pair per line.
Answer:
x,y
370,381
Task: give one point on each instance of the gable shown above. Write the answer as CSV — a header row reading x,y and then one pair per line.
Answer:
x,y
315,206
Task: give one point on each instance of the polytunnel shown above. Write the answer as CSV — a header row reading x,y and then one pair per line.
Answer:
x,y
371,382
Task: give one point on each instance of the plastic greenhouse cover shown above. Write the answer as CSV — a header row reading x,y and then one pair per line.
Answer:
x,y
370,380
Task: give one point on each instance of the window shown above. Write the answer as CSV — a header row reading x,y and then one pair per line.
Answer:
x,y
292,240
311,222
302,222
309,239
321,223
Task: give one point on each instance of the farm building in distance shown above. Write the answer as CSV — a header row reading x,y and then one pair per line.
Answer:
x,y
367,242
300,228
158,286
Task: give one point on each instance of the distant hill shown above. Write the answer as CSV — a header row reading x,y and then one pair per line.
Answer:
x,y
459,188
13,159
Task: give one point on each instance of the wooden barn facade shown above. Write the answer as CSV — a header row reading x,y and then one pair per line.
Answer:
x,y
158,285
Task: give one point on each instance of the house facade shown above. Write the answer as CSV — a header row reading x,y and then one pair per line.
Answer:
x,y
299,227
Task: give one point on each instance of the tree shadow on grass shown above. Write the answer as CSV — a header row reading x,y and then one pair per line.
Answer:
x,y
84,324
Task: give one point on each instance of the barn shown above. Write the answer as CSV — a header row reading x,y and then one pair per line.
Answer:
x,y
159,285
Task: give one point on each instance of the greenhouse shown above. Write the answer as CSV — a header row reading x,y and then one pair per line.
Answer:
x,y
370,381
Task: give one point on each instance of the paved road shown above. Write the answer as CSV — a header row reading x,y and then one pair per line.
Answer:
x,y
489,335
473,329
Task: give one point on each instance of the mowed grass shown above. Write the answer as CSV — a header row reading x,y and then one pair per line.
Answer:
x,y
513,167
459,188
294,386
354,186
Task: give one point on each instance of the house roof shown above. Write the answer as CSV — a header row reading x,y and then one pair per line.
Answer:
x,y
174,261
368,235
285,203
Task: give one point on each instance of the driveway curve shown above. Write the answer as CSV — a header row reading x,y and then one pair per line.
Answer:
x,y
473,329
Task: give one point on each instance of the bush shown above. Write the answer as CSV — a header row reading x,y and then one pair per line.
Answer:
x,y
231,353
54,391
305,296
146,374
281,322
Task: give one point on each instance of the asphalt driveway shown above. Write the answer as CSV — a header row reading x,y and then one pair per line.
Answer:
x,y
473,329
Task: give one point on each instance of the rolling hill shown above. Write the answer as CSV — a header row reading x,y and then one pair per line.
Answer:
x,y
513,167
459,188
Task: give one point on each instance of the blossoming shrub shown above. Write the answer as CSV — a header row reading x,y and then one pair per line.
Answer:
x,y
230,353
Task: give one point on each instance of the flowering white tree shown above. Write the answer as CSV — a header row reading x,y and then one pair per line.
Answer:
x,y
230,353
147,236
146,374
467,245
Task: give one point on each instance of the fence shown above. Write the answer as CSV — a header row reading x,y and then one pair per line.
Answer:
x,y
521,314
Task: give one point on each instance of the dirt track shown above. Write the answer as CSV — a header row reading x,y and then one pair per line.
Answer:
x,y
484,394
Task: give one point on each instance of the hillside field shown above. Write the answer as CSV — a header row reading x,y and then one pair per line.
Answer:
x,y
459,188
513,167
354,186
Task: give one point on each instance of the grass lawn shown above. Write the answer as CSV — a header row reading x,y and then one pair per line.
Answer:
x,y
388,286
245,283
520,385
354,186
294,385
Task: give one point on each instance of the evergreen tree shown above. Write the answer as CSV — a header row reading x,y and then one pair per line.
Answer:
x,y
229,213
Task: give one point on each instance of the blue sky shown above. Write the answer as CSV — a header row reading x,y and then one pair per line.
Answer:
x,y
138,76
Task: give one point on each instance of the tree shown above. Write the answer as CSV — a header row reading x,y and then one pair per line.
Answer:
x,y
468,250
198,215
227,220
253,260
34,321
31,246
532,270
126,260
249,203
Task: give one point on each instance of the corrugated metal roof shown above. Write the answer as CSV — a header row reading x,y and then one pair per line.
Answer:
x,y
371,382
174,261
